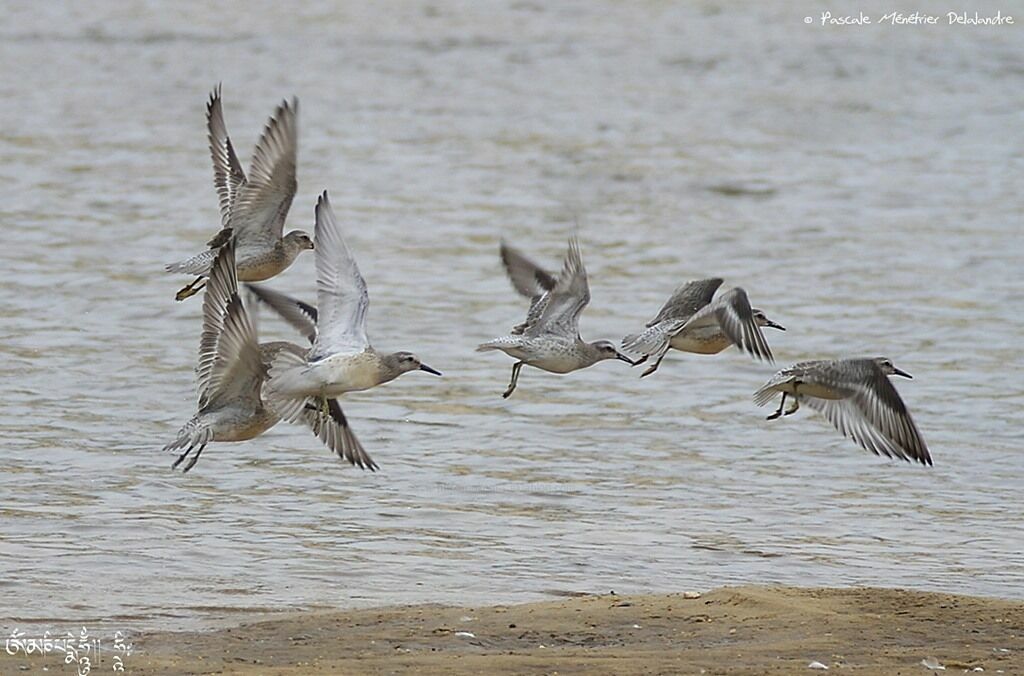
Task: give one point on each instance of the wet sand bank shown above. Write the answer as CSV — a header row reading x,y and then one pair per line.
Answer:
x,y
731,630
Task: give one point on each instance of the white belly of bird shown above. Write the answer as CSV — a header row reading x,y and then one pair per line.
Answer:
x,y
259,268
250,427
805,389
549,353
349,373
819,391
557,363
704,340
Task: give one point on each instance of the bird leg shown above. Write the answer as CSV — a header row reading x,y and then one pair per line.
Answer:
x,y
182,457
191,289
515,379
651,369
779,412
316,407
194,460
793,409
321,407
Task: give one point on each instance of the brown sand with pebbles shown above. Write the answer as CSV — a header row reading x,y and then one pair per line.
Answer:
x,y
731,630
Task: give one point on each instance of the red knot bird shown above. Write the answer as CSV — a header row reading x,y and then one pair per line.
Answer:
x,y
549,339
856,396
692,320
253,209
231,373
341,359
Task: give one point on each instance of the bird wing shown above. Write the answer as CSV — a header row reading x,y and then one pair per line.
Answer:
x,y
341,296
876,418
530,280
230,368
653,339
687,299
333,429
732,312
238,371
228,175
567,298
220,287
302,316
258,212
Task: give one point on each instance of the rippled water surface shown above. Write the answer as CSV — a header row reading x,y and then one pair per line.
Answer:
x,y
863,184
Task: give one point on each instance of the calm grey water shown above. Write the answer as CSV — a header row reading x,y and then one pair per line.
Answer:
x,y
862,183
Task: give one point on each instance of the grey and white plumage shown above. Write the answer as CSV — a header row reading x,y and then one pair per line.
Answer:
x,y
549,339
530,280
253,208
857,397
302,317
341,359
228,175
331,426
693,320
231,372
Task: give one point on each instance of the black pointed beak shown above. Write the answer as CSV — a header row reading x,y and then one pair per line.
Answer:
x,y
622,357
772,325
897,372
424,367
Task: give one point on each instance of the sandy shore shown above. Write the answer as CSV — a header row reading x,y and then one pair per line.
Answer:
x,y
733,630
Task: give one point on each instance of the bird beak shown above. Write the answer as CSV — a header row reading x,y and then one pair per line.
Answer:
x,y
622,357
424,367
772,325
897,372
312,245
